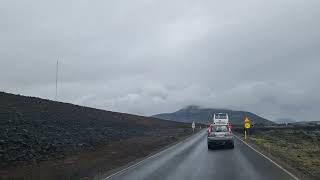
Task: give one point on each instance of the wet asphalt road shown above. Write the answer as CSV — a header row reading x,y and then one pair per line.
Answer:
x,y
191,160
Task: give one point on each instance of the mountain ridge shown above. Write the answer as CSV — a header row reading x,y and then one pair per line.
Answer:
x,y
204,115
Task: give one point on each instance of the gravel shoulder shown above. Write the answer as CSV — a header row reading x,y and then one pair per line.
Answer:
x,y
98,162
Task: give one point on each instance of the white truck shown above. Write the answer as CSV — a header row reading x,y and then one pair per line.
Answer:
x,y
220,119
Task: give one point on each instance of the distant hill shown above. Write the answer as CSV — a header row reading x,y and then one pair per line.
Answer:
x,y
204,115
305,123
285,120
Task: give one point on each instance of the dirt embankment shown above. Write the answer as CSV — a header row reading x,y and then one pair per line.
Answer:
x,y
41,139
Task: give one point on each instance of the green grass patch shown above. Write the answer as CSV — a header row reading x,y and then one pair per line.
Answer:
x,y
298,148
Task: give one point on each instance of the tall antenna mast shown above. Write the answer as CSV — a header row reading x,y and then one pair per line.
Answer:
x,y
57,71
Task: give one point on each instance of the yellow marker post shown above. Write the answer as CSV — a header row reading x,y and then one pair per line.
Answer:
x,y
245,134
247,125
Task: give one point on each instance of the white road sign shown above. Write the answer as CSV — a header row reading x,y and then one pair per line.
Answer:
x,y
193,126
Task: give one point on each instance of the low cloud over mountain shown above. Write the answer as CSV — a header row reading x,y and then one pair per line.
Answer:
x,y
156,56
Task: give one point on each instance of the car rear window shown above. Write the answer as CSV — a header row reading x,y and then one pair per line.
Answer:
x,y
220,129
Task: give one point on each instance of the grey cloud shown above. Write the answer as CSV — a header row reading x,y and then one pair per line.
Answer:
x,y
147,57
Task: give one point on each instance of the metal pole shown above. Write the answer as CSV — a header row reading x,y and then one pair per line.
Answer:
x,y
57,71
245,134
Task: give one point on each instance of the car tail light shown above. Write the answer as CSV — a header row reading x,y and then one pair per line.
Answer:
x,y
229,126
210,129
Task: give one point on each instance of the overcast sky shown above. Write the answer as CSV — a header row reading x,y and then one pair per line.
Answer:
x,y
151,56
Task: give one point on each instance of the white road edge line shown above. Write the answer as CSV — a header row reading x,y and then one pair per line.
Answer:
x,y
151,157
282,168
132,166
